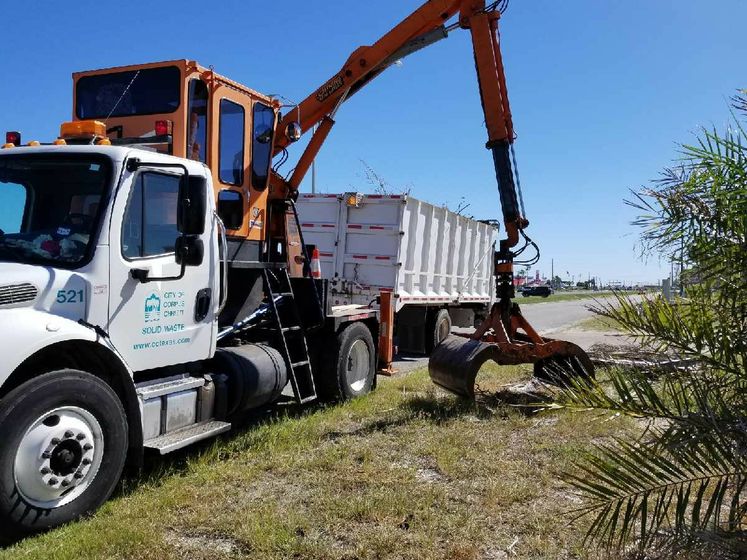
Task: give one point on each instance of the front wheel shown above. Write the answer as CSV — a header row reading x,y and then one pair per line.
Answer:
x,y
350,370
62,450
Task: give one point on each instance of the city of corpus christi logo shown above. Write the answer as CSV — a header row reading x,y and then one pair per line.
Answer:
x,y
152,308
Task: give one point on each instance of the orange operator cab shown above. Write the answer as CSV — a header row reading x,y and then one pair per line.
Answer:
x,y
181,108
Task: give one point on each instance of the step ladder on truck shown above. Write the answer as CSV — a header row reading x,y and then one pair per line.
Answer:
x,y
155,284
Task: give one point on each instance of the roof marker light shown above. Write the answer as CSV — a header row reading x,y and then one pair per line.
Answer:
x,y
163,127
82,129
13,137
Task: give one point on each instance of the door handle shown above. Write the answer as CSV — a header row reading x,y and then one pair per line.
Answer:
x,y
202,304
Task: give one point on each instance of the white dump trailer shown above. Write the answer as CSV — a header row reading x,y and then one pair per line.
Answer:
x,y
438,264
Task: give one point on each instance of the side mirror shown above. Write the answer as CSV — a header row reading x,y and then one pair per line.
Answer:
x,y
192,205
189,250
293,131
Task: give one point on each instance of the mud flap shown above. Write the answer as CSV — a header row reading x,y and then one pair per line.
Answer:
x,y
455,362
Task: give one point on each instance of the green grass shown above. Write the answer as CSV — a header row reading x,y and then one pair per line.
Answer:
x,y
560,296
405,473
599,323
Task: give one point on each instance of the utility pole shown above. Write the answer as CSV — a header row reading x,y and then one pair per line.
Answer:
x,y
552,273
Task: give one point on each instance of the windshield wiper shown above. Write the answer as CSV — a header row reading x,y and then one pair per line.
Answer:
x,y
13,250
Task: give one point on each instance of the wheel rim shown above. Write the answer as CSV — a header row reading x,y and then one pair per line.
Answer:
x,y
357,365
58,457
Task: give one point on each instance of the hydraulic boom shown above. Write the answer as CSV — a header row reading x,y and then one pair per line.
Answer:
x,y
505,336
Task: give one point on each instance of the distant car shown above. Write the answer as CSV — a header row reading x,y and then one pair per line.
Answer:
x,y
543,291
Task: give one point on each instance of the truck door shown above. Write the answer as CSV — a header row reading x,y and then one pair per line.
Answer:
x,y
161,322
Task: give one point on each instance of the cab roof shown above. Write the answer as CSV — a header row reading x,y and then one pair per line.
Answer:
x,y
117,153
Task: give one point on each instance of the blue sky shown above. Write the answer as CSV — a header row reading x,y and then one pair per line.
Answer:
x,y
600,91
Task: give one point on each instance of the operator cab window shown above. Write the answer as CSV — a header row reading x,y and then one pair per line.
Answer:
x,y
197,121
146,91
231,143
263,128
149,227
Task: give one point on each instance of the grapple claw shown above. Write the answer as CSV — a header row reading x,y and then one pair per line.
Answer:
x,y
563,366
455,362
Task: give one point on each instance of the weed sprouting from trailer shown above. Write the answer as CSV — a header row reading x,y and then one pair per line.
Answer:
x,y
379,184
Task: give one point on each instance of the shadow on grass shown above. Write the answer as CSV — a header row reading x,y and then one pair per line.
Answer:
x,y
434,408
157,468
438,411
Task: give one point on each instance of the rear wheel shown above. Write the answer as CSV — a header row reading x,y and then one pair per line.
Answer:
x,y
350,370
437,329
62,451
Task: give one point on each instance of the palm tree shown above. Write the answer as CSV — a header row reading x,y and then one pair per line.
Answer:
x,y
682,483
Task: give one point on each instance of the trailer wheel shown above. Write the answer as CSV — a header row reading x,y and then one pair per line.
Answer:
x,y
437,329
62,450
350,370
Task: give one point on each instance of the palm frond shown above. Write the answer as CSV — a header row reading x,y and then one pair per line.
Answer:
x,y
682,482
635,491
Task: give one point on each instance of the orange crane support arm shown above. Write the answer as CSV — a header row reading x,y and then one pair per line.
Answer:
x,y
420,29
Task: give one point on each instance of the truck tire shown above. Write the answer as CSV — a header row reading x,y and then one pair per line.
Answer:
x,y
349,371
62,450
437,329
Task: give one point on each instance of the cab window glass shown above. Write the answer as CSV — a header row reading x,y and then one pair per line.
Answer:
x,y
150,218
231,143
146,91
263,128
197,121
231,208
12,207
49,207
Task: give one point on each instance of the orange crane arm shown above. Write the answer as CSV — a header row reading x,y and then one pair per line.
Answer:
x,y
420,29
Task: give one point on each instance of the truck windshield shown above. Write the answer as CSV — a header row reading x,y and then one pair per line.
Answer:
x,y
146,91
49,207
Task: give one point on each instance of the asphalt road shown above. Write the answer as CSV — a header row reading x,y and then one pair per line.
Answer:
x,y
553,315
546,318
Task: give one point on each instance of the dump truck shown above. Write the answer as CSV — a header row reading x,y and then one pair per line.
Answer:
x,y
155,284
436,263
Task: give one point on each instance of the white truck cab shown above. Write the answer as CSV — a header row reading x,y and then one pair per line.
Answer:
x,y
78,226
114,271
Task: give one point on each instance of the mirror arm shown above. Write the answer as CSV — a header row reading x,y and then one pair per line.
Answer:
x,y
133,164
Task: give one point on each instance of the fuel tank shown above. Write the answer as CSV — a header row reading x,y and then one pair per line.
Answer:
x,y
256,375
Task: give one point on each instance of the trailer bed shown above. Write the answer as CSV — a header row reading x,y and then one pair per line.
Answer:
x,y
425,254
